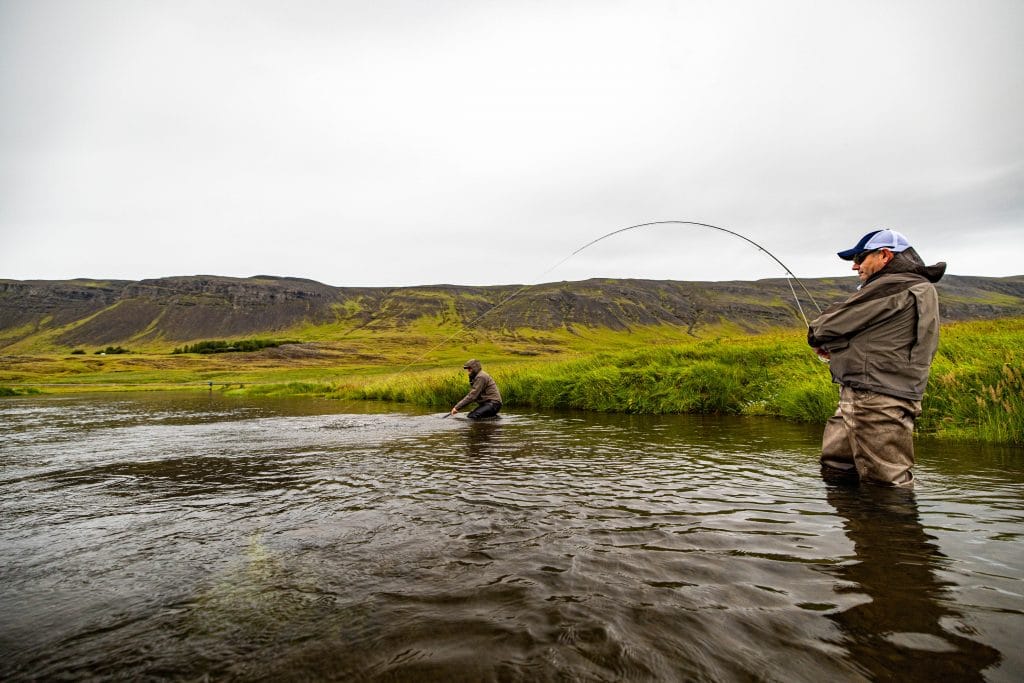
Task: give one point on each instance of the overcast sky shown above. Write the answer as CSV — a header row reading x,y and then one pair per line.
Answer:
x,y
481,142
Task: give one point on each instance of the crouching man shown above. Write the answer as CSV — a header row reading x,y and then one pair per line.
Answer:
x,y
880,343
483,390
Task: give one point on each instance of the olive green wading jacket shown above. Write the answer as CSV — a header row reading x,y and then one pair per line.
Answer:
x,y
883,338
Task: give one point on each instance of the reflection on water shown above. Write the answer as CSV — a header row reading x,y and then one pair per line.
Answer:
x,y
192,536
908,621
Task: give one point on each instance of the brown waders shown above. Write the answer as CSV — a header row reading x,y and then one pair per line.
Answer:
x,y
871,436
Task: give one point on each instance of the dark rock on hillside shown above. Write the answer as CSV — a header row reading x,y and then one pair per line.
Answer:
x,y
27,302
965,297
179,309
204,307
31,306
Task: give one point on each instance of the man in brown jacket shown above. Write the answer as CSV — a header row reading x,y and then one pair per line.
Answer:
x,y
483,390
880,343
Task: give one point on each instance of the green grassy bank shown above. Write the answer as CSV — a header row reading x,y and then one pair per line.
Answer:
x,y
976,392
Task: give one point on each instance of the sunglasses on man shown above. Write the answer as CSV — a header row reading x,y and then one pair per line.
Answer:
x,y
859,258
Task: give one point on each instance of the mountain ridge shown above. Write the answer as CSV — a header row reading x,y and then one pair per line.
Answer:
x,y
62,314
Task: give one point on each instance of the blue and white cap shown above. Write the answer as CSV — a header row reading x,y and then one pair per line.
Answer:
x,y
879,239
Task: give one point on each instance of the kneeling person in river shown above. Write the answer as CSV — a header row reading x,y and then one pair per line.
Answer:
x,y
483,390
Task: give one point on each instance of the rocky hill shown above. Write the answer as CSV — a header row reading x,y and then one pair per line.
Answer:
x,y
72,313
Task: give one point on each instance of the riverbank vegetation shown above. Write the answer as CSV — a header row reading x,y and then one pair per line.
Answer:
x,y
222,346
976,391
18,391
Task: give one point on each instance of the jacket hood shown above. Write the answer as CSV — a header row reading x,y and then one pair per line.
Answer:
x,y
908,261
473,366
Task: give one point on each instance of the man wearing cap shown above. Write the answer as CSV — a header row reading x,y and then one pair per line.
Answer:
x,y
483,390
879,343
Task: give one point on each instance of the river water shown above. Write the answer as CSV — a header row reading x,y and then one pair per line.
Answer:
x,y
198,537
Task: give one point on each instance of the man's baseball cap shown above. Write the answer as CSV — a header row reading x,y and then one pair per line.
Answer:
x,y
879,239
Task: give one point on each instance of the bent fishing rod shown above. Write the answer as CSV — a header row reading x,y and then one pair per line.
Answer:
x,y
775,258
790,277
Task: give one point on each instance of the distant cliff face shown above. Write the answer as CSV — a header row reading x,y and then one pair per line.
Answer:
x,y
179,309
203,307
28,302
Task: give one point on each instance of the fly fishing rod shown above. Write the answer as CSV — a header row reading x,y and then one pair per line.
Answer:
x,y
790,278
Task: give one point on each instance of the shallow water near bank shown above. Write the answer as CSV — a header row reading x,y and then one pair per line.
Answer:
x,y
183,536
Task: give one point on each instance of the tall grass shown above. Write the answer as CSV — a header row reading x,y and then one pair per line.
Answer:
x,y
293,389
812,400
977,404
432,388
18,391
976,390
766,378
713,377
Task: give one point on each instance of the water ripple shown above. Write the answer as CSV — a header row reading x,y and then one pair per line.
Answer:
x,y
196,536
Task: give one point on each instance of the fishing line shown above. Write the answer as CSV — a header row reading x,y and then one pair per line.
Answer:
x,y
790,278
789,272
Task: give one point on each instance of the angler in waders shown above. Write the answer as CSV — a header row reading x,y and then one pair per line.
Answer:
x,y
483,390
879,343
